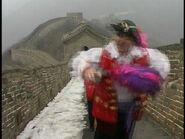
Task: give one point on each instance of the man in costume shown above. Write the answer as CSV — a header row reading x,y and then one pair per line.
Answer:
x,y
119,78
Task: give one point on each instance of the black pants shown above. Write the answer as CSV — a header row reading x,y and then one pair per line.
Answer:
x,y
119,130
115,132
122,132
90,116
105,130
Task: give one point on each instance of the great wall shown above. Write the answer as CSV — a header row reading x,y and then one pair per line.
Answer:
x,y
25,92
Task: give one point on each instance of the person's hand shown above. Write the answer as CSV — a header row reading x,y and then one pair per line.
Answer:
x,y
90,73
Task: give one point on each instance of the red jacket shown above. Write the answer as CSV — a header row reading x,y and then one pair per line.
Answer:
x,y
104,95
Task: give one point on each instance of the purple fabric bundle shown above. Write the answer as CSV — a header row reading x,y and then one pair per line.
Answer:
x,y
138,78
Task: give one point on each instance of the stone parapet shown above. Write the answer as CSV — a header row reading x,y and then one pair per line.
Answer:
x,y
26,92
168,107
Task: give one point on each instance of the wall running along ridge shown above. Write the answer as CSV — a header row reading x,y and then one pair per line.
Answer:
x,y
26,92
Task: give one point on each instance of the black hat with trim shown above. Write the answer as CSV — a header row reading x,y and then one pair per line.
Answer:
x,y
127,28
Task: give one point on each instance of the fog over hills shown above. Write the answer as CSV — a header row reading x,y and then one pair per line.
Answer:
x,y
162,21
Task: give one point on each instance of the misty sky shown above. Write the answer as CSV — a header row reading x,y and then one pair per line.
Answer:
x,y
162,20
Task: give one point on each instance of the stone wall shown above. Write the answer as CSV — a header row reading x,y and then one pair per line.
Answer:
x,y
77,17
168,107
84,39
26,92
32,58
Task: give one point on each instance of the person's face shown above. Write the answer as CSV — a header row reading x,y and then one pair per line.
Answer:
x,y
124,44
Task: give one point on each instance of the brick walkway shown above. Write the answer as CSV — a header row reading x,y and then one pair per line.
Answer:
x,y
147,128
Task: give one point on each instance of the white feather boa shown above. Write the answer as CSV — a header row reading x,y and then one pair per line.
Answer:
x,y
91,58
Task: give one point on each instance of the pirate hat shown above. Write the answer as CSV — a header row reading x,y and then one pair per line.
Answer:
x,y
127,28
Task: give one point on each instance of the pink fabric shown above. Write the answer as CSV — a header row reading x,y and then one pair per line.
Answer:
x,y
144,38
151,76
